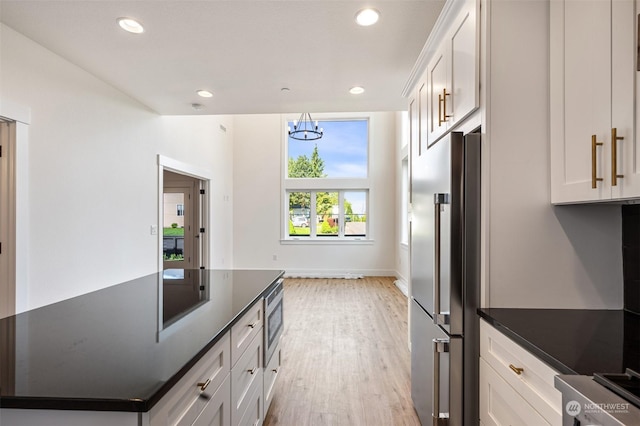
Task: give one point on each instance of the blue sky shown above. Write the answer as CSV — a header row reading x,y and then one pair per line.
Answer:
x,y
343,148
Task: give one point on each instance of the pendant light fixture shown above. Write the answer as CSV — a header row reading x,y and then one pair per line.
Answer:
x,y
305,129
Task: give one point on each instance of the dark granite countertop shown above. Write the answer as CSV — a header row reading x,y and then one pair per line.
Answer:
x,y
123,347
573,341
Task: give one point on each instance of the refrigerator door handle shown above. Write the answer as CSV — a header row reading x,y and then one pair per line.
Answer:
x,y
439,345
439,200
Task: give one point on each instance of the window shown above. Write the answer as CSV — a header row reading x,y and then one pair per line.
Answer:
x,y
404,203
179,209
326,185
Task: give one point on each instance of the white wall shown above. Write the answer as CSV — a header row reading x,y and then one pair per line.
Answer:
x,y
257,189
93,173
537,255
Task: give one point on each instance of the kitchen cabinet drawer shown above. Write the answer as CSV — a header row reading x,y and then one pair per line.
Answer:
x,y
246,375
184,402
244,331
534,382
500,405
254,414
271,373
217,412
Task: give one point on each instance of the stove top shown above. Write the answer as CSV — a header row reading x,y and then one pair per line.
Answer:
x,y
626,385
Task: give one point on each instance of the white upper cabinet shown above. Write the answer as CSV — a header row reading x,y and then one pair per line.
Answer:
x,y
444,86
594,155
452,74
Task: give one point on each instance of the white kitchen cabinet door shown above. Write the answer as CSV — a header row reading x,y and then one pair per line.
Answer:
x,y
437,96
591,93
452,75
464,66
624,74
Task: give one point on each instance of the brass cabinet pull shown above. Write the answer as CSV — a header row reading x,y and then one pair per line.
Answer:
x,y
440,120
594,178
515,369
445,116
614,156
203,385
275,370
253,371
253,324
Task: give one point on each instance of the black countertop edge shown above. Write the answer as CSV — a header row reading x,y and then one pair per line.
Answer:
x,y
128,405
535,350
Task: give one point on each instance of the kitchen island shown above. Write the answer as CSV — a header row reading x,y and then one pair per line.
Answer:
x,y
123,348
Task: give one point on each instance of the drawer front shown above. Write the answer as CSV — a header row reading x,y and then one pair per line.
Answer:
x,y
243,332
217,412
271,373
501,405
253,415
184,403
535,381
245,377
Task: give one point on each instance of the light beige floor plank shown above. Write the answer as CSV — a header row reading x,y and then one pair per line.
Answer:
x,y
345,355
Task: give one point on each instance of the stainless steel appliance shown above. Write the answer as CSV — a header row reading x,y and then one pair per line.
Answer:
x,y
604,399
273,308
445,265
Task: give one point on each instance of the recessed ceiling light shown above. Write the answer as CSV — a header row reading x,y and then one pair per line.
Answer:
x,y
130,25
367,17
204,93
357,90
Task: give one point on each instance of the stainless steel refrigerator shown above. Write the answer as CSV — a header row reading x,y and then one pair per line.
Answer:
x,y
445,280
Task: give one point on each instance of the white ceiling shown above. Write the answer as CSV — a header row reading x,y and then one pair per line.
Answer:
x,y
243,51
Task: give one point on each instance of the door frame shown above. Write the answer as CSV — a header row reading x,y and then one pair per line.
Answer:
x,y
15,284
204,175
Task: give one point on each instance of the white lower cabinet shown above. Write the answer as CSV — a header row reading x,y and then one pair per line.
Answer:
x,y
217,412
516,388
247,381
193,398
501,405
270,376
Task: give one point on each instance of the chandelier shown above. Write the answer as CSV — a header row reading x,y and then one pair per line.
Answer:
x,y
304,129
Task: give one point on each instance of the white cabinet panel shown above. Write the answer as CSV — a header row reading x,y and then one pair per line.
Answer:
x,y
217,412
188,398
521,373
500,405
591,93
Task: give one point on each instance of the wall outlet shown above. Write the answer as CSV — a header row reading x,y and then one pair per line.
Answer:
x,y
154,229
275,257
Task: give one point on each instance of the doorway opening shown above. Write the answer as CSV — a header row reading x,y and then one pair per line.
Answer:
x,y
183,209
7,218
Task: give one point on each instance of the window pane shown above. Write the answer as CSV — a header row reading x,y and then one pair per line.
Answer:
x,y
299,213
355,214
341,153
327,213
173,226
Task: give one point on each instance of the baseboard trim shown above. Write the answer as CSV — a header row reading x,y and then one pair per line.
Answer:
x,y
354,274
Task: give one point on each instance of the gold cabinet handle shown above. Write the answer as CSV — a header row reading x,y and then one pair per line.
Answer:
x,y
253,324
440,120
275,370
253,371
445,116
203,385
614,156
515,369
594,178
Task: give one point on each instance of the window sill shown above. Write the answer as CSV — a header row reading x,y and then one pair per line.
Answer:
x,y
327,241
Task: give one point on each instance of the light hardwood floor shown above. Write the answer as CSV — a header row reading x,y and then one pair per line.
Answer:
x,y
345,359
